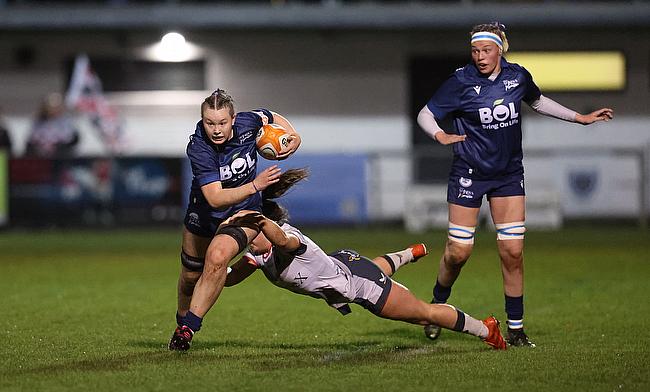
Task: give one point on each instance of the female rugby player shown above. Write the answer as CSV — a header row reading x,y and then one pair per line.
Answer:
x,y
484,99
223,156
291,260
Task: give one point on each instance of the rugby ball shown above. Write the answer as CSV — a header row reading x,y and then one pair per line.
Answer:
x,y
271,139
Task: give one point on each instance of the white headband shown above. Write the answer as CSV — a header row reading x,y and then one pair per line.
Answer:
x,y
486,35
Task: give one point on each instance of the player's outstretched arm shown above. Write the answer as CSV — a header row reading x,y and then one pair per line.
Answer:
x,y
548,107
604,114
294,138
239,271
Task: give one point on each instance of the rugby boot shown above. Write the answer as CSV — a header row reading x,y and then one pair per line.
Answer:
x,y
418,251
181,339
494,338
518,338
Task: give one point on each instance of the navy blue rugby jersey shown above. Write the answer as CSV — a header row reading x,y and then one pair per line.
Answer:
x,y
488,112
234,163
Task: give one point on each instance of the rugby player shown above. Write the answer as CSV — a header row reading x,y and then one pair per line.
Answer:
x,y
291,260
223,156
484,100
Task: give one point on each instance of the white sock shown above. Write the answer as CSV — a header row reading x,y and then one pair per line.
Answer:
x,y
475,327
398,259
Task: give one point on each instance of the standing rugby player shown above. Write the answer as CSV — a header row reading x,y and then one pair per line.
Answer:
x,y
484,99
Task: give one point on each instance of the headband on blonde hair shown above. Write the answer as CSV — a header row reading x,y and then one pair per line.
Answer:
x,y
487,36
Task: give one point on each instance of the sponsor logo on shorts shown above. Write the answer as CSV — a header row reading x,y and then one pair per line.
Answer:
x,y
521,183
465,182
465,194
194,219
352,256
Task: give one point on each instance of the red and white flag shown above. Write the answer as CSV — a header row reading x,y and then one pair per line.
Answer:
x,y
85,95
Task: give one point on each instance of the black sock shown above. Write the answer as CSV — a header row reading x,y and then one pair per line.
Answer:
x,y
460,321
390,263
193,321
440,293
179,319
515,311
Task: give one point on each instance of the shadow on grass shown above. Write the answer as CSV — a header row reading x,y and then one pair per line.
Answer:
x,y
211,345
250,354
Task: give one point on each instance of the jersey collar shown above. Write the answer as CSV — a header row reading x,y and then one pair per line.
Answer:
x,y
476,73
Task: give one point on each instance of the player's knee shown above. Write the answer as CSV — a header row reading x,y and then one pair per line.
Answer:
x,y
512,258
511,252
514,253
457,254
216,261
213,270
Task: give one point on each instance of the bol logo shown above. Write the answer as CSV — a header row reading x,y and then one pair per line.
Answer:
x,y
500,112
238,166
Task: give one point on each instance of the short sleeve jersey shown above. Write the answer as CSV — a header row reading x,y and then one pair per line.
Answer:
x,y
308,270
488,112
233,163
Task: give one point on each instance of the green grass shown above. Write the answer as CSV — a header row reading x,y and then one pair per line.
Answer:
x,y
93,310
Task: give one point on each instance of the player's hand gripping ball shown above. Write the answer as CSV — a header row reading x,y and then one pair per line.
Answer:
x,y
271,139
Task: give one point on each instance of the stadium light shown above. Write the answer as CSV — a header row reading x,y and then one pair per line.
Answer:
x,y
173,47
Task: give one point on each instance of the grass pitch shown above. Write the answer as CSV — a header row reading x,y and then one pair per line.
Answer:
x,y
94,311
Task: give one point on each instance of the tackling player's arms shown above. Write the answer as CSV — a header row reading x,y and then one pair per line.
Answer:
x,y
276,236
270,233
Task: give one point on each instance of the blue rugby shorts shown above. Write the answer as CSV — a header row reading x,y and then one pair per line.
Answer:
x,y
469,192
